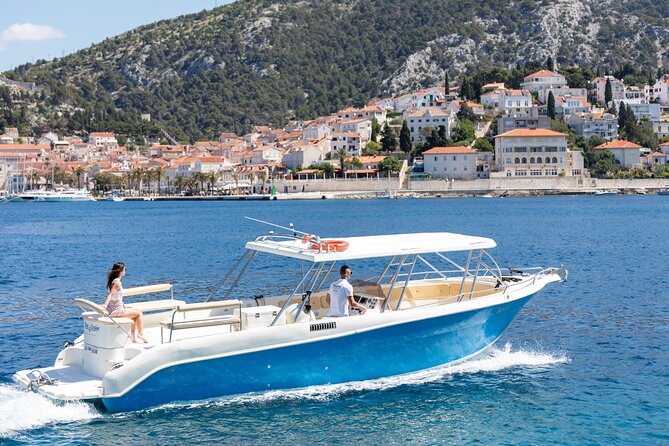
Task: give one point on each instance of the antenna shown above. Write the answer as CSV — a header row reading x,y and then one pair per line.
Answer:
x,y
291,228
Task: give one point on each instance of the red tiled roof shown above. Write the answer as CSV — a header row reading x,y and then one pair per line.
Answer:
x,y
530,133
618,144
543,73
448,150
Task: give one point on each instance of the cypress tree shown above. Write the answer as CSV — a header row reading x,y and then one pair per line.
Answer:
x,y
447,83
549,63
622,117
375,130
405,137
608,92
388,140
551,105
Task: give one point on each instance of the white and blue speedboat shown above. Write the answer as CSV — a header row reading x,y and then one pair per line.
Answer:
x,y
437,298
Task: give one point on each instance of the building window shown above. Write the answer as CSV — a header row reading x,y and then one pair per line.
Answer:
x,y
554,160
532,160
535,172
539,160
524,160
508,161
455,157
435,158
517,161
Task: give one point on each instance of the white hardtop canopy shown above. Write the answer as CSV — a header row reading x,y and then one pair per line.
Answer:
x,y
372,246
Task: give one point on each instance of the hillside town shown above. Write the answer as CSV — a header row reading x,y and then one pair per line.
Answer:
x,y
434,134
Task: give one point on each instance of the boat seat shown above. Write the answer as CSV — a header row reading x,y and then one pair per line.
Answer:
x,y
200,322
86,304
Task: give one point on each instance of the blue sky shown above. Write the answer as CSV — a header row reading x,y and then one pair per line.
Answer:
x,y
44,29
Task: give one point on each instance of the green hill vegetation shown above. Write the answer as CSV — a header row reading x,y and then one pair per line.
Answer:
x,y
264,62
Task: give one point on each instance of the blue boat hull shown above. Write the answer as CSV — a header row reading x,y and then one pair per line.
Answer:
x,y
386,351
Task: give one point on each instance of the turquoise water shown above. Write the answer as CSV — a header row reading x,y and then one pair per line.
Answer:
x,y
586,362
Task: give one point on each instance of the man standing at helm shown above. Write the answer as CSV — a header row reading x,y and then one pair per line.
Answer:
x,y
341,295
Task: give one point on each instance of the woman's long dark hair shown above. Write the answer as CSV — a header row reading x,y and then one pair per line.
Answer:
x,y
114,273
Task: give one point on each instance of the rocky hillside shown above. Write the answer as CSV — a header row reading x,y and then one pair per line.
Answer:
x,y
258,61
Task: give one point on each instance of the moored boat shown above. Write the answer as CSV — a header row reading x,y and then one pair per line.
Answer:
x,y
41,195
436,298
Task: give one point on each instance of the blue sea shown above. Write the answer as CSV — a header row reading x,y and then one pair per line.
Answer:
x,y
585,362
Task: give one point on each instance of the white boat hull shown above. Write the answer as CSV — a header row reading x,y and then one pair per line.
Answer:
x,y
329,350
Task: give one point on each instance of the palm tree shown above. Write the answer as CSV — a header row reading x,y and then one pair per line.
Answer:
x,y
263,179
235,176
212,177
147,175
34,176
179,183
47,163
138,175
158,174
79,171
200,177
341,154
191,183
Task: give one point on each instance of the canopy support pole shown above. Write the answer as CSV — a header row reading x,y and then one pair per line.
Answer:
x,y
406,283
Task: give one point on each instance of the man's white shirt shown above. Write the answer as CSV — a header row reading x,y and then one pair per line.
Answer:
x,y
339,292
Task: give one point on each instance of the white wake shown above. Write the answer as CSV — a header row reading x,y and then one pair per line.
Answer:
x,y
21,410
495,359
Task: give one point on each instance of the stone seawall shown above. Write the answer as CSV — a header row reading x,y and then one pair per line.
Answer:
x,y
348,185
500,185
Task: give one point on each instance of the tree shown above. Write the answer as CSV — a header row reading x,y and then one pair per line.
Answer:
x,y
551,105
447,83
355,162
443,137
622,116
376,128
371,148
79,172
463,133
483,145
608,92
432,139
549,63
390,164
388,140
466,112
605,162
405,138
341,154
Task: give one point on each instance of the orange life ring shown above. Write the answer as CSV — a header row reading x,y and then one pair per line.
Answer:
x,y
332,245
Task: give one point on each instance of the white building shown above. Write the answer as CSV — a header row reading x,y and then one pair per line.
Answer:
x,y
604,125
316,130
349,141
660,91
267,155
543,80
565,106
303,155
362,126
535,153
102,139
627,153
515,102
661,127
427,117
208,164
597,88
458,163
642,109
